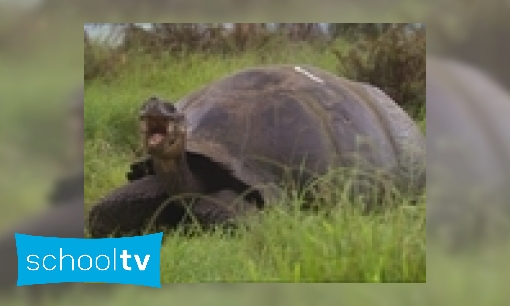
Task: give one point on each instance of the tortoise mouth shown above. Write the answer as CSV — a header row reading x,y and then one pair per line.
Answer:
x,y
158,131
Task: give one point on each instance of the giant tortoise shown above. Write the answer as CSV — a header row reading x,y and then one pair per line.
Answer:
x,y
234,141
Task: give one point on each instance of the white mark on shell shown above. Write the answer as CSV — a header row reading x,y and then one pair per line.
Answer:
x,y
308,74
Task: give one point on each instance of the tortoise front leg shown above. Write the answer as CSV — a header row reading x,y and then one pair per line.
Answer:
x,y
129,209
140,169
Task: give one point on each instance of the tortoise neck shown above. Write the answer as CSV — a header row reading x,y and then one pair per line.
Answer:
x,y
176,175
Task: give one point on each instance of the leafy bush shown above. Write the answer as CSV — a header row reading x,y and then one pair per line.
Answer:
x,y
393,61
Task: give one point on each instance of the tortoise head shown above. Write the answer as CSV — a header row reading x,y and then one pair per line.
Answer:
x,y
163,128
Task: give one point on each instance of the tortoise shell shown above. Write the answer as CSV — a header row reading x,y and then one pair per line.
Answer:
x,y
261,121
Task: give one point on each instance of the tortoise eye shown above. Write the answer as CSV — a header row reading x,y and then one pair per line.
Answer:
x,y
169,107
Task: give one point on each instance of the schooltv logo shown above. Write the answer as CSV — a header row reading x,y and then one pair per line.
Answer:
x,y
127,260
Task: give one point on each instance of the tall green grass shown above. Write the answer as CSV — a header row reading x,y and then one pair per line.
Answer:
x,y
283,245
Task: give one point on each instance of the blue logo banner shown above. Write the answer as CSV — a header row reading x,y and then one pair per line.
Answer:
x,y
126,260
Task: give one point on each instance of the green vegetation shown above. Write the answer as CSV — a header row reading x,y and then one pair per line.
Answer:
x,y
285,245
33,140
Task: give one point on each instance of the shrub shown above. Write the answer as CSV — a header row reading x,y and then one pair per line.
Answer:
x,y
393,61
